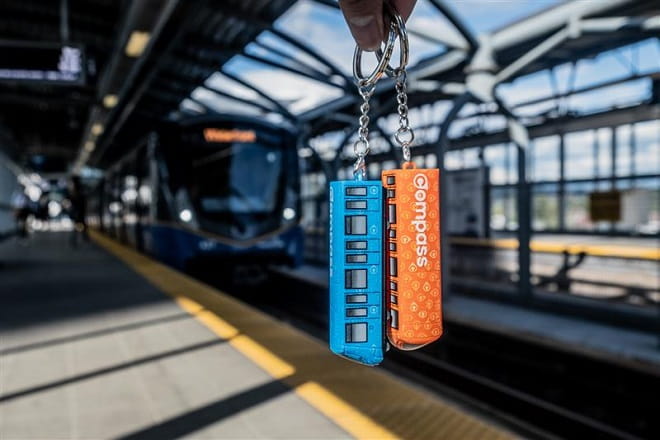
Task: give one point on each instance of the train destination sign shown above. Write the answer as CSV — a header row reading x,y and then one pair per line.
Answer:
x,y
234,135
41,62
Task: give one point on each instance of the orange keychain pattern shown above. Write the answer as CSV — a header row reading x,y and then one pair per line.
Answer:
x,y
412,256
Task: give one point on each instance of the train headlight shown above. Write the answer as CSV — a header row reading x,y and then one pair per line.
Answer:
x,y
288,213
54,209
185,215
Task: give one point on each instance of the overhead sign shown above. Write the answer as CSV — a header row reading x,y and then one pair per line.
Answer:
x,y
224,136
605,206
41,62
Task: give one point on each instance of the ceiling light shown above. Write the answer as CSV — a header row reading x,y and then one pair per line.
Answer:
x,y
97,129
109,101
136,43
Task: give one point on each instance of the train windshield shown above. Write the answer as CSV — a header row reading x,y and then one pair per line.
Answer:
x,y
238,179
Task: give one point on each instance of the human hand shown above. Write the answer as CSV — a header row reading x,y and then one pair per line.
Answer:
x,y
365,19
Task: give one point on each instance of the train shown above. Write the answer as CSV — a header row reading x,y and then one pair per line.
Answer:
x,y
223,190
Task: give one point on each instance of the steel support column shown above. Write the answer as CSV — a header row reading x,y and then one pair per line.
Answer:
x,y
562,184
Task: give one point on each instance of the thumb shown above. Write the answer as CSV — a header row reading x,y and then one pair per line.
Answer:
x,y
365,20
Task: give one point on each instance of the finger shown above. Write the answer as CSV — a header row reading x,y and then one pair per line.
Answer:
x,y
404,7
365,20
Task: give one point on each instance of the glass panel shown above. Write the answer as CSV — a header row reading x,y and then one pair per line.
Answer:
x,y
577,206
579,149
604,153
503,213
623,150
647,147
545,158
545,211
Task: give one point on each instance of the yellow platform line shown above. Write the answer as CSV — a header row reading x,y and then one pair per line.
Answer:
x,y
612,251
366,402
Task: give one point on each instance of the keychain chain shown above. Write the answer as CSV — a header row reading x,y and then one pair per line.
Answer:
x,y
361,146
404,134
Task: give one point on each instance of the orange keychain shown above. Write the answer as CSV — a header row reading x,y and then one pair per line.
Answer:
x,y
413,285
412,256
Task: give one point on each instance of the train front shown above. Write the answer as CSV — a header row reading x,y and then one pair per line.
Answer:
x,y
234,189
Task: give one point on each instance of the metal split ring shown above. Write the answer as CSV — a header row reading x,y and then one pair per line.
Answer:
x,y
361,148
383,56
404,46
404,136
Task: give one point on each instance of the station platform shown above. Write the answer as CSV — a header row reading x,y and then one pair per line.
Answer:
x,y
634,349
103,342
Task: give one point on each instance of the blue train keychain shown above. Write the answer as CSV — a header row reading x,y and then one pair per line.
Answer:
x,y
357,305
356,273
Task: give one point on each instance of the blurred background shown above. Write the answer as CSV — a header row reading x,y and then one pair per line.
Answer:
x,y
203,134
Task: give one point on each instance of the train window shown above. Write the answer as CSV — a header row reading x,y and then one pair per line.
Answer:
x,y
356,299
356,312
356,258
393,285
393,266
390,193
356,245
391,213
356,204
356,191
394,299
392,246
394,318
390,180
356,279
392,233
356,332
356,224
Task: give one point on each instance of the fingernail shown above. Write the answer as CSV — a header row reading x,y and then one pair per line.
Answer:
x,y
367,31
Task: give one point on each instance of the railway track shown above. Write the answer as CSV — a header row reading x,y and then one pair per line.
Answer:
x,y
537,391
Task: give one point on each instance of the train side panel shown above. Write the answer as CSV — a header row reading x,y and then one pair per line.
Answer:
x,y
356,275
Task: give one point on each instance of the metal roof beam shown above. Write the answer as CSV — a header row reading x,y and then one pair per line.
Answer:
x,y
311,52
315,75
255,104
283,110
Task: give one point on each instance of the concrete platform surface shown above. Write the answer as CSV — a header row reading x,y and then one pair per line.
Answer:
x,y
92,349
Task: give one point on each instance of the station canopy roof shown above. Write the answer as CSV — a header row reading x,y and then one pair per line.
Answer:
x,y
285,60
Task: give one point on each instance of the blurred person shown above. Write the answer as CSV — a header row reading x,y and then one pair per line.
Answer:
x,y
365,19
21,207
77,210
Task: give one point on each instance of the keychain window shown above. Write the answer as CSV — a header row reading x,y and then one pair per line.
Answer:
x,y
356,279
356,225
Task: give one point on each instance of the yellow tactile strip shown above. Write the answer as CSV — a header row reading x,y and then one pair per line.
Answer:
x,y
364,401
613,251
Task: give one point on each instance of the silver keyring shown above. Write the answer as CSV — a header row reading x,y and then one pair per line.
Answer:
x,y
404,46
383,59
